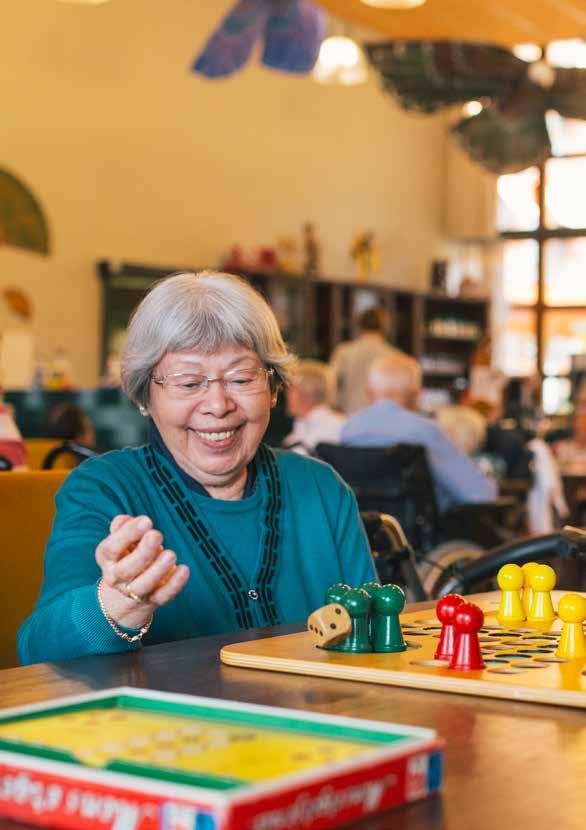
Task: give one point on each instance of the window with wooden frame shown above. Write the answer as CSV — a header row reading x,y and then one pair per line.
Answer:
x,y
541,219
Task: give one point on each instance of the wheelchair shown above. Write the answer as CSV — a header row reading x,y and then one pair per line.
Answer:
x,y
396,481
395,560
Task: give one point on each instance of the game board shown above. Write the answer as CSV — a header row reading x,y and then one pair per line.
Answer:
x,y
137,760
520,662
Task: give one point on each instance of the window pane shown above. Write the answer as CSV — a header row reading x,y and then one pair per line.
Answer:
x,y
518,201
518,351
565,184
556,396
567,135
520,268
568,53
564,334
565,271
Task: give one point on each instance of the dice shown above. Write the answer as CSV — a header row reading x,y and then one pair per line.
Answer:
x,y
329,625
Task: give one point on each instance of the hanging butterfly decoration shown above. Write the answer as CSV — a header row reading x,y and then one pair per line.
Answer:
x,y
22,221
510,132
290,31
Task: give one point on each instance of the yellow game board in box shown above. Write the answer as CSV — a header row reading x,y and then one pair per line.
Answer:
x,y
521,663
130,759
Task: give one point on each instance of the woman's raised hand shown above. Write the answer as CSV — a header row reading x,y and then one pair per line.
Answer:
x,y
138,574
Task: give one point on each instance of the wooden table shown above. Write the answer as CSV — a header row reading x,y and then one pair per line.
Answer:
x,y
509,766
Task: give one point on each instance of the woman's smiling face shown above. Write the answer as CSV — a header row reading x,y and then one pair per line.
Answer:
x,y
214,435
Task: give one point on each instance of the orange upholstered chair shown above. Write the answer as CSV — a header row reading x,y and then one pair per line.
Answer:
x,y
27,508
37,449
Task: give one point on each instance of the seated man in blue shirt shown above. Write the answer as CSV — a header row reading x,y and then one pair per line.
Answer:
x,y
393,385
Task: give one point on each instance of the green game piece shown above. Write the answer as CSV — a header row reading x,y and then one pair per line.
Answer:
x,y
336,592
386,628
371,588
358,604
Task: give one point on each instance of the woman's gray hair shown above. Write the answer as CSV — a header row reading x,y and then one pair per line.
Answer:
x,y
205,311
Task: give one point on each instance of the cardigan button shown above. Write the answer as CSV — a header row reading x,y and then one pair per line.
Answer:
x,y
253,594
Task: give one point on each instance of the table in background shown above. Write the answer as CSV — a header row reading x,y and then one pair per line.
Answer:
x,y
507,765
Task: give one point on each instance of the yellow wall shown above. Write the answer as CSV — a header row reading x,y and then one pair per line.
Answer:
x,y
135,158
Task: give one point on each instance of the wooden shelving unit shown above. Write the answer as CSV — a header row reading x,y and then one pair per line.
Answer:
x,y
317,314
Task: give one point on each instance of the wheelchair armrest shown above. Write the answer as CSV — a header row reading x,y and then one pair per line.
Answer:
x,y
495,508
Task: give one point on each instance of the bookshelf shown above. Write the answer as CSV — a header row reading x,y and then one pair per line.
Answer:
x,y
317,314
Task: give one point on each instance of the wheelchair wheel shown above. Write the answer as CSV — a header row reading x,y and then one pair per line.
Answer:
x,y
436,568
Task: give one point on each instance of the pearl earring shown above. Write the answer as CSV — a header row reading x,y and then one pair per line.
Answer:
x,y
143,411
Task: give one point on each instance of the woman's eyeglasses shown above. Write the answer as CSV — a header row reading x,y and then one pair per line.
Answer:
x,y
235,383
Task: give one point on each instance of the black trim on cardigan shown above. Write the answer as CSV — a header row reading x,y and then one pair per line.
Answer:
x,y
237,592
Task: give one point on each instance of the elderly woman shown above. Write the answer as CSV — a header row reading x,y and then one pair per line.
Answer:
x,y
205,529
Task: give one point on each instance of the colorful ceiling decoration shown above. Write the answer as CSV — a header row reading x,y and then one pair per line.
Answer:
x,y
502,22
22,221
290,32
509,131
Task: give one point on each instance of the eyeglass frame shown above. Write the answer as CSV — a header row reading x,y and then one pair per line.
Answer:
x,y
273,385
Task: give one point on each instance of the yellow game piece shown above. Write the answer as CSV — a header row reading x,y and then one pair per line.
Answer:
x,y
572,611
527,592
329,625
542,580
510,581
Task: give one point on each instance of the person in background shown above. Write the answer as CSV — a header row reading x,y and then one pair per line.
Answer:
x,y
308,402
464,426
545,503
69,422
393,386
204,530
12,447
350,361
571,452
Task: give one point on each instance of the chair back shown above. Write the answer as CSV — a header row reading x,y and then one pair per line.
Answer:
x,y
37,450
395,480
67,456
27,508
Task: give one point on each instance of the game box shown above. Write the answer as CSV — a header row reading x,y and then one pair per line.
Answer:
x,y
131,759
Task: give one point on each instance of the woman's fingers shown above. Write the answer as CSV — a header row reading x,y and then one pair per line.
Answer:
x,y
118,521
126,536
130,566
149,580
171,587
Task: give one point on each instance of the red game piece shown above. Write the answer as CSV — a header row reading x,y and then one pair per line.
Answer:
x,y
445,610
468,620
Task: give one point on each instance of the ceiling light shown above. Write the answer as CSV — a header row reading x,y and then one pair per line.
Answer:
x,y
472,108
527,52
394,4
340,61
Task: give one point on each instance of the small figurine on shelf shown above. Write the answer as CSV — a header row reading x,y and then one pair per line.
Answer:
x,y
60,372
266,259
111,377
311,250
364,251
287,255
39,375
470,288
235,259
439,276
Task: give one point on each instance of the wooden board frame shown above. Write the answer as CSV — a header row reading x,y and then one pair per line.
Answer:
x,y
559,683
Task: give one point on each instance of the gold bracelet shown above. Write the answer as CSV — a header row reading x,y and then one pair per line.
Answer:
x,y
136,637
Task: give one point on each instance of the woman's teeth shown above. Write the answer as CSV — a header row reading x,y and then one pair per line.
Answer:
x,y
215,436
